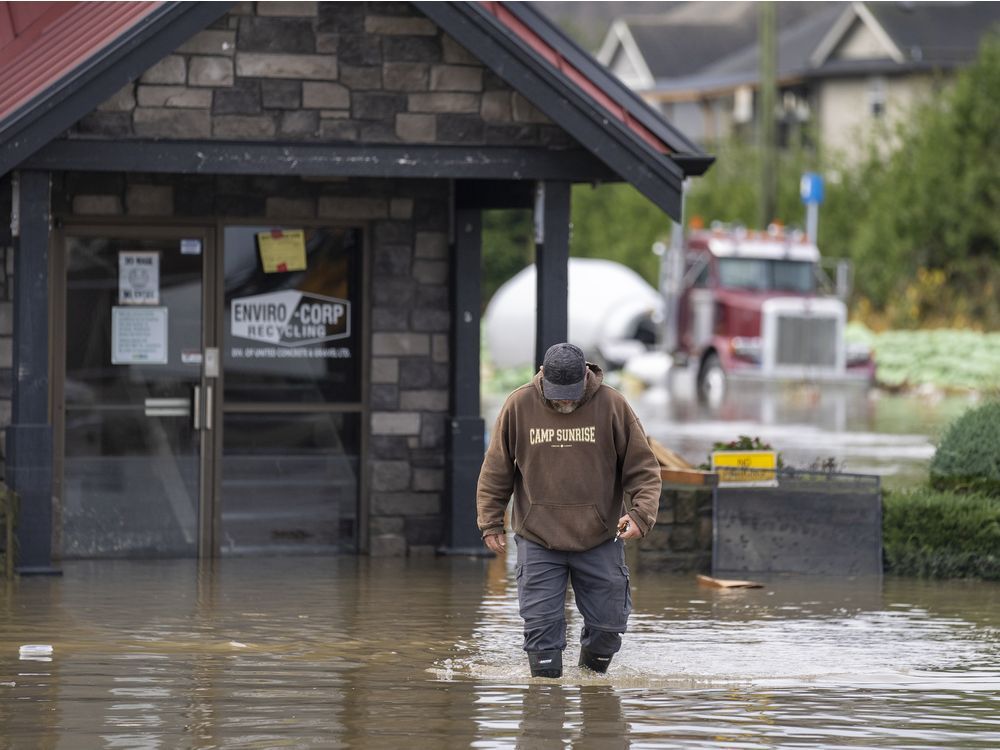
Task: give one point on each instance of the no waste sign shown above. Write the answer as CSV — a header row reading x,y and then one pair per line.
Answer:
x,y
746,468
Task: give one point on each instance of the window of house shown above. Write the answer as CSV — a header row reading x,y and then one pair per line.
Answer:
x,y
877,96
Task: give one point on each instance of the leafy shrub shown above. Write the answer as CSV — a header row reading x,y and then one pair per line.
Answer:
x,y
968,457
941,534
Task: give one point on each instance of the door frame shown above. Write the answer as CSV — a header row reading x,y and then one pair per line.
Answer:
x,y
211,232
115,228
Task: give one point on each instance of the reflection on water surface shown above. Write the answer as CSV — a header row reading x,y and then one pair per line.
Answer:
x,y
352,652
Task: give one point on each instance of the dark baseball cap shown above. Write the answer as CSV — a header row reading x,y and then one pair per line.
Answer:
x,y
564,373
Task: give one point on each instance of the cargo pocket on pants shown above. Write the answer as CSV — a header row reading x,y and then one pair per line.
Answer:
x,y
627,601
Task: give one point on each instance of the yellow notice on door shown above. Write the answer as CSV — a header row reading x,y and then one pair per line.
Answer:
x,y
746,468
282,251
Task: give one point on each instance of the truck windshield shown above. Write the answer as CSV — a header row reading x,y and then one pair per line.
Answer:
x,y
765,275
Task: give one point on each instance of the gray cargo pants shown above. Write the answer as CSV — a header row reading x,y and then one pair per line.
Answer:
x,y
600,585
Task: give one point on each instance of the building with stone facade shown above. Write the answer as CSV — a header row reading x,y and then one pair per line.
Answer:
x,y
242,266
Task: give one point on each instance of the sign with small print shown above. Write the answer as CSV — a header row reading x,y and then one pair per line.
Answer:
x,y
282,251
138,335
746,468
139,278
190,247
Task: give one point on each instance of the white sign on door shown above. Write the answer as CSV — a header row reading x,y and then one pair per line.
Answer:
x,y
138,278
138,335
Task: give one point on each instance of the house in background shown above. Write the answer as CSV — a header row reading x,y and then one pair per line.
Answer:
x,y
842,67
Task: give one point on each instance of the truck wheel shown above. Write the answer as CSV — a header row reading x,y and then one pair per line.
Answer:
x,y
712,381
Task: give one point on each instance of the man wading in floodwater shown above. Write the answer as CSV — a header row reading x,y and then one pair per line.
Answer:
x,y
570,449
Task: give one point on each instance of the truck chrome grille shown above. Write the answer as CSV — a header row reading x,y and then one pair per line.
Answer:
x,y
809,341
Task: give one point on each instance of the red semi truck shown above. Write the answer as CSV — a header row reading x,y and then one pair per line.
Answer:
x,y
757,305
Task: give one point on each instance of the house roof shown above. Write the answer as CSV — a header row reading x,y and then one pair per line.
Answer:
x,y
935,32
696,35
61,61
516,41
916,36
796,43
682,50
41,43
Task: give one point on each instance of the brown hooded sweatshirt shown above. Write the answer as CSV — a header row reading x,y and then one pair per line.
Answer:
x,y
569,473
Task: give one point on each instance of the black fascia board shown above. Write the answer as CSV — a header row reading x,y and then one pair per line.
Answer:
x,y
608,83
493,194
651,172
694,165
56,108
321,160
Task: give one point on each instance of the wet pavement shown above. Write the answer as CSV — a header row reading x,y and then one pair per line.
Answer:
x,y
389,653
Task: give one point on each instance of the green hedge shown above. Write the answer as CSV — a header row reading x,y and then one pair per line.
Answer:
x,y
930,533
968,457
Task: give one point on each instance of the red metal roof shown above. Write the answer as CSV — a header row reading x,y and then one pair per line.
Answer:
x,y
41,43
560,63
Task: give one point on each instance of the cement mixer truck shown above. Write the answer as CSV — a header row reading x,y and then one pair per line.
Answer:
x,y
744,305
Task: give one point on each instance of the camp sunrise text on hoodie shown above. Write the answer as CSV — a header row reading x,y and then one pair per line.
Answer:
x,y
569,473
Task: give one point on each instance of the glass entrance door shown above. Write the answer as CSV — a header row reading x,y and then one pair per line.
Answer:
x,y
137,392
210,402
292,407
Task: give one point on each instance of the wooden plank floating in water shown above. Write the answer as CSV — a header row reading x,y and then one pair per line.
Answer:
x,y
726,583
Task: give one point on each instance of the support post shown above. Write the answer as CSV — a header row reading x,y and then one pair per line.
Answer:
x,y
466,436
29,436
552,214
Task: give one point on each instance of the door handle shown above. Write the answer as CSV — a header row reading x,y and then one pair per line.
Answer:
x,y
208,407
196,407
166,407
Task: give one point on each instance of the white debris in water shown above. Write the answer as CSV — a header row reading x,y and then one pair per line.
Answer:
x,y
35,652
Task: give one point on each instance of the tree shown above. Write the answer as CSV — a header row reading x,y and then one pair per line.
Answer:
x,y
508,246
932,204
618,223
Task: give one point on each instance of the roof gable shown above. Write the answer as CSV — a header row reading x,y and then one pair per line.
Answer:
x,y
862,43
622,56
695,36
857,34
516,42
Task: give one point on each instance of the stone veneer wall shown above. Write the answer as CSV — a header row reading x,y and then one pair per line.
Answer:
x,y
407,222
323,72
681,540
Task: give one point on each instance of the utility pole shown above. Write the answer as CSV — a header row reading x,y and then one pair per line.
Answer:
x,y
767,93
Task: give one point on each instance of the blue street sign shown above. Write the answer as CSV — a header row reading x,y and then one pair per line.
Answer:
x,y
811,188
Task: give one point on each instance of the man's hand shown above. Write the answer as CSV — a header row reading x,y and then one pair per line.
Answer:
x,y
627,528
496,543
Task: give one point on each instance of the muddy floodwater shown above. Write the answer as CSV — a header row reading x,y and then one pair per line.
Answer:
x,y
861,430
425,653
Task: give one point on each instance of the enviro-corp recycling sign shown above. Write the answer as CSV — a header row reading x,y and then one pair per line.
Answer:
x,y
288,321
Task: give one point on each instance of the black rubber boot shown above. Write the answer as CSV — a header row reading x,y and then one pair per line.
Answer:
x,y
545,663
595,662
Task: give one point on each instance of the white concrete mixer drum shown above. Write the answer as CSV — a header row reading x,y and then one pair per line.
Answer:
x,y
613,314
